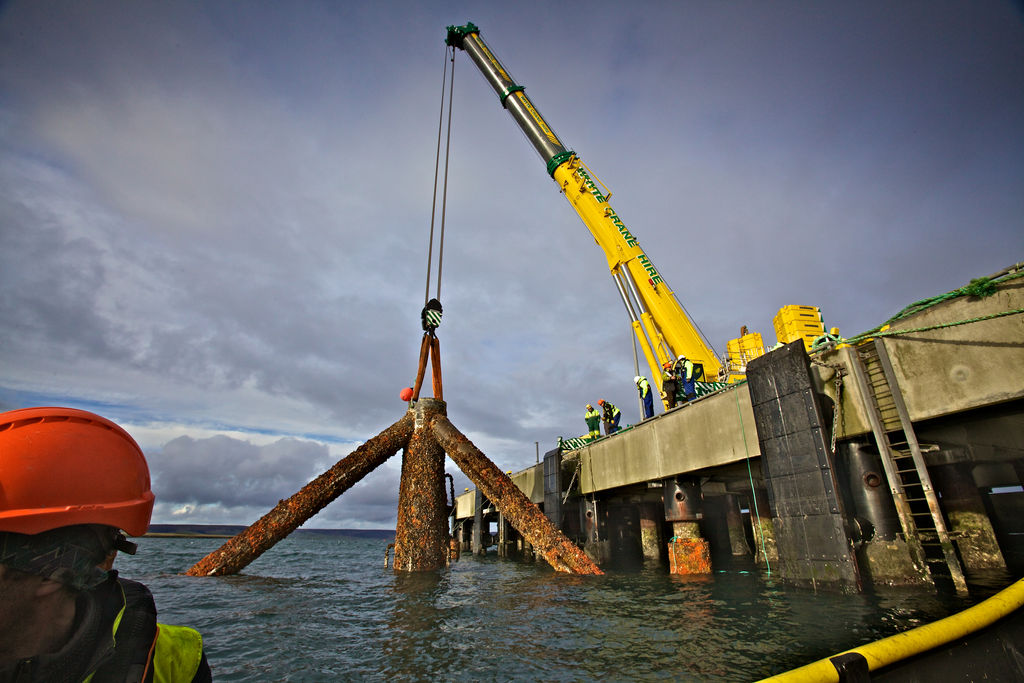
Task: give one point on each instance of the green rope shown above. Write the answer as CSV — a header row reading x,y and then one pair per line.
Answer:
x,y
894,333
979,287
753,496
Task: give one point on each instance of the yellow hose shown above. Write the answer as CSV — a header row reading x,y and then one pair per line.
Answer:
x,y
921,639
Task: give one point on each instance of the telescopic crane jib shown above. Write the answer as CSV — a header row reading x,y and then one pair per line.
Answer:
x,y
661,325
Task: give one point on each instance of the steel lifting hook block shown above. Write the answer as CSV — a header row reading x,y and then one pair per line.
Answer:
x,y
431,346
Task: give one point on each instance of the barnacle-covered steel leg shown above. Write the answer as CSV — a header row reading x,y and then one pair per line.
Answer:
x,y
521,513
421,535
289,514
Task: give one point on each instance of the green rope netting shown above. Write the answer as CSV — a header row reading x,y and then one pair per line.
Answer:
x,y
979,287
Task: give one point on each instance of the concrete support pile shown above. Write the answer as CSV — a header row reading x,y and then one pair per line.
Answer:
x,y
969,523
767,554
421,538
688,551
737,535
650,531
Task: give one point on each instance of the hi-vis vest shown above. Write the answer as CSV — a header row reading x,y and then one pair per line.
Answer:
x,y
172,653
177,654
689,371
698,372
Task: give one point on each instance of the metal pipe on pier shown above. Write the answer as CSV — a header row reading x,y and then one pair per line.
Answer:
x,y
289,514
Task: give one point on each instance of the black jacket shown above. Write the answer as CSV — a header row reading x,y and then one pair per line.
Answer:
x,y
91,647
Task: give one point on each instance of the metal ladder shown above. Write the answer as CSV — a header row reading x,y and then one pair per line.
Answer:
x,y
916,502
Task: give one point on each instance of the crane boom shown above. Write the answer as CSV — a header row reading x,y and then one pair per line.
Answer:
x,y
661,325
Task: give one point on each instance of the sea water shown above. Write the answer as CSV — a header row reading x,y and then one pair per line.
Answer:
x,y
326,608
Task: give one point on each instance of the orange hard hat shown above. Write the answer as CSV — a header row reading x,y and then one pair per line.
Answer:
x,y
600,401
406,394
61,466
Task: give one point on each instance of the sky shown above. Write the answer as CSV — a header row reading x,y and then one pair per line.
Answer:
x,y
215,216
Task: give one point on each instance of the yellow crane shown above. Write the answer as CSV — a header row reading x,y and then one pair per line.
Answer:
x,y
663,329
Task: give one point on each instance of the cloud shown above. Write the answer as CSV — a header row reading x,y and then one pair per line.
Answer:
x,y
221,479
232,472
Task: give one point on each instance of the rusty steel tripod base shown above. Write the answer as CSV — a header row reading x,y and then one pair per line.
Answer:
x,y
421,535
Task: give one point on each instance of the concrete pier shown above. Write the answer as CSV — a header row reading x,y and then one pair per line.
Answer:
x,y
805,466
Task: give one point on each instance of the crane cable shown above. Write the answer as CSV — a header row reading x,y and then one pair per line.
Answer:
x,y
431,314
437,162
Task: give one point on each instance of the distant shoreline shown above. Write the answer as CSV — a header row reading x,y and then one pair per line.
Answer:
x,y
232,530
183,534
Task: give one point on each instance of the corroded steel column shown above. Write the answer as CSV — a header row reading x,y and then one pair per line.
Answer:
x,y
688,552
520,512
234,555
421,535
650,531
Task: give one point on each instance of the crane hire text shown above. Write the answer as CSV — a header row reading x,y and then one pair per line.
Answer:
x,y
649,267
610,212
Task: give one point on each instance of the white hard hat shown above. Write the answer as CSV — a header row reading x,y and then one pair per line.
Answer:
x,y
637,378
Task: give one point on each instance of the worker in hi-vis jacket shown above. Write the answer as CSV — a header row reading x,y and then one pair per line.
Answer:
x,y
646,395
593,419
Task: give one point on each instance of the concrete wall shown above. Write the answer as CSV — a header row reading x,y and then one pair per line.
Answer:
x,y
716,430
947,370
959,368
530,481
465,504
853,415
713,431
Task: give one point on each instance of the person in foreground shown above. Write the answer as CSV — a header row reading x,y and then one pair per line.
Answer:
x,y
70,482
